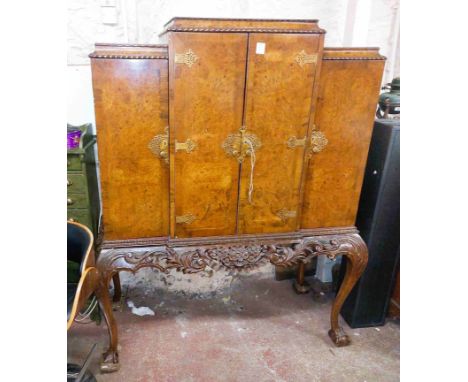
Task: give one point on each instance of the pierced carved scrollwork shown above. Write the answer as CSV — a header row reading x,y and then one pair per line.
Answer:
x,y
239,257
159,145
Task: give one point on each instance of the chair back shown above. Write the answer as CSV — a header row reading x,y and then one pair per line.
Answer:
x,y
79,243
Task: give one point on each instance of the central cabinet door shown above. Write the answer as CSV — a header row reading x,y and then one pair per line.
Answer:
x,y
207,73
281,76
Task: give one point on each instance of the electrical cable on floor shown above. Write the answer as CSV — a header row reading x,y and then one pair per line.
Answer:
x,y
82,317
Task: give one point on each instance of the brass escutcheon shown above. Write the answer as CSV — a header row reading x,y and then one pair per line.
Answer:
x,y
159,145
318,141
239,145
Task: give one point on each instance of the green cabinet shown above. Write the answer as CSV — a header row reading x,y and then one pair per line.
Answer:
x,y
82,184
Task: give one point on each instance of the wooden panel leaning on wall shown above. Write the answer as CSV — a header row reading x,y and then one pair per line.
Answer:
x,y
130,86
349,87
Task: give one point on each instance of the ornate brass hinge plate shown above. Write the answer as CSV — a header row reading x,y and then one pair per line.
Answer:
x,y
285,214
185,219
318,141
159,145
188,58
303,58
188,146
241,144
294,142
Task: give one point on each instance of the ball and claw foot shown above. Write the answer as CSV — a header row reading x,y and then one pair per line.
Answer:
x,y
110,362
339,337
301,288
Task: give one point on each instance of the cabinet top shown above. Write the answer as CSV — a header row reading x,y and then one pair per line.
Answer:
x,y
352,54
159,51
190,24
130,51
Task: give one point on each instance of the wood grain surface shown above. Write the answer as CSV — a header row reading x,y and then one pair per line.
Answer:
x,y
348,94
278,105
131,105
206,102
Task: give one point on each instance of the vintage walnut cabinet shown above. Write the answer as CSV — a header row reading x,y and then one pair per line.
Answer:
x,y
238,142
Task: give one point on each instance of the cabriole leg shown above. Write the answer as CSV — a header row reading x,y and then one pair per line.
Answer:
x,y
357,261
110,362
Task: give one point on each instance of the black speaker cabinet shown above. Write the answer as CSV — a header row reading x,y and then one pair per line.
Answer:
x,y
378,221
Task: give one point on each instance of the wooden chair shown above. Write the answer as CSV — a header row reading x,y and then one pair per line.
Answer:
x,y
80,250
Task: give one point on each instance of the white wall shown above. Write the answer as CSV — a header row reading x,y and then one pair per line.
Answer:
x,y
347,22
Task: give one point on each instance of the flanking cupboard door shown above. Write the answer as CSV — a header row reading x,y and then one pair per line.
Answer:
x,y
130,86
281,77
207,77
350,82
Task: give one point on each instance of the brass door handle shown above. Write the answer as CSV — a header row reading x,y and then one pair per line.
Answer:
x,y
70,202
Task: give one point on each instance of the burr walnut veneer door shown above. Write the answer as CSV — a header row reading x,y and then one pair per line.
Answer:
x,y
347,98
207,75
281,76
131,106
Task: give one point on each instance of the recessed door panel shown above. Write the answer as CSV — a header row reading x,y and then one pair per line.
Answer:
x,y
280,80
207,75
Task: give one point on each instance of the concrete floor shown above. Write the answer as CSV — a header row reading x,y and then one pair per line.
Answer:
x,y
258,330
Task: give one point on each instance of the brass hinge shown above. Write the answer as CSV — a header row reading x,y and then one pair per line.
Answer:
x,y
285,214
185,219
188,58
294,142
303,58
159,145
187,146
